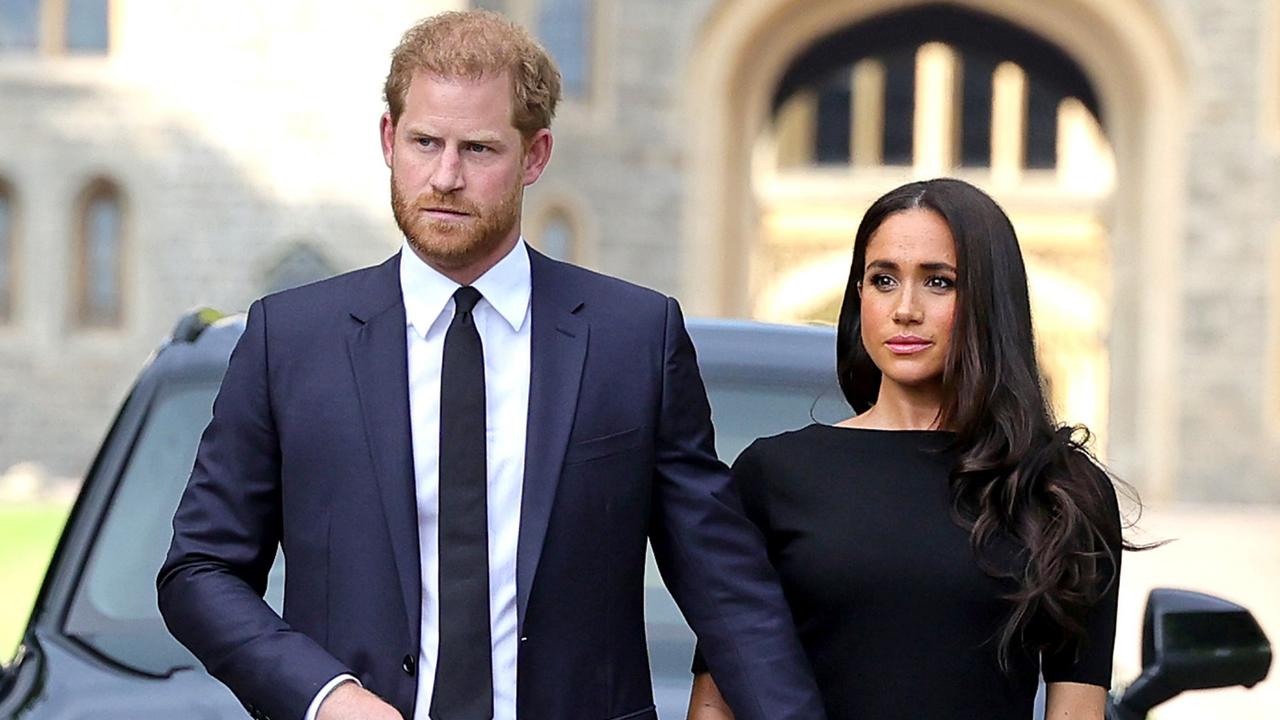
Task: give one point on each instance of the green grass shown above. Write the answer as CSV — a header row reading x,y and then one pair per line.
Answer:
x,y
28,533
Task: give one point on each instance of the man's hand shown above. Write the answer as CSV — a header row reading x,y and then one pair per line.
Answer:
x,y
349,701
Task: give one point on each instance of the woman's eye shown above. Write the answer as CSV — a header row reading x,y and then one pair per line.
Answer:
x,y
883,282
938,282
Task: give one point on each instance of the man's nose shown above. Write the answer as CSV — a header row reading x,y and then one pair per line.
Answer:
x,y
447,176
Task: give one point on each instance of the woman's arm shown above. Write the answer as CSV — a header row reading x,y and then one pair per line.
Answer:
x,y
705,702
1063,701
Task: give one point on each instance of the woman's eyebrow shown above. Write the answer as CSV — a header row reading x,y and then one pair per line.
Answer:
x,y
938,266
930,266
882,264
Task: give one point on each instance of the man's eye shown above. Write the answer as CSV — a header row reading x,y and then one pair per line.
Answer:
x,y
426,141
477,148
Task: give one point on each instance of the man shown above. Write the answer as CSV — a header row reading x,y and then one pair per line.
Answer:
x,y
462,452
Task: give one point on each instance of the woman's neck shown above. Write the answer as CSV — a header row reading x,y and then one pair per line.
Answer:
x,y
902,408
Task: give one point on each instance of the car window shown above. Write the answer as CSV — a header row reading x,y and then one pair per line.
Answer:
x,y
114,609
741,411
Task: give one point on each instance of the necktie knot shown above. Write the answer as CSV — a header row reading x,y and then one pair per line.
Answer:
x,y
465,299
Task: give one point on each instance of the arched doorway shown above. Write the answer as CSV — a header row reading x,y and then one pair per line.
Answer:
x,y
1123,50
940,90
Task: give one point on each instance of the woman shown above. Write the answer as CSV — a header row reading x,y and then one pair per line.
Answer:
x,y
950,542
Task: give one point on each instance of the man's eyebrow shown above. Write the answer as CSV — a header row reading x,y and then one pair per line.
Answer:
x,y
486,137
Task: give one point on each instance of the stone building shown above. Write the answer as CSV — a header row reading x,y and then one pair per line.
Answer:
x,y
719,150
188,153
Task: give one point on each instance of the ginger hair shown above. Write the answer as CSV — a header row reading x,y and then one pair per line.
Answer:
x,y
472,45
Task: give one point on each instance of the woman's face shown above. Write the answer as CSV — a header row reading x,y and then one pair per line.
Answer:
x,y
908,293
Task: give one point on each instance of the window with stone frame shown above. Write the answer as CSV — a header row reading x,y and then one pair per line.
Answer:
x,y
564,27
8,230
301,264
557,237
55,27
19,26
99,256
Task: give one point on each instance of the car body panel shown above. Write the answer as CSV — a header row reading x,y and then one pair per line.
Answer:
x,y
95,647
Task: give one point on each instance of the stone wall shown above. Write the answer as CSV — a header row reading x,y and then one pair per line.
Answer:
x,y
1231,209
237,130
234,131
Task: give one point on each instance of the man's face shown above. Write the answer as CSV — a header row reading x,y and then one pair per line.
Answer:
x,y
458,171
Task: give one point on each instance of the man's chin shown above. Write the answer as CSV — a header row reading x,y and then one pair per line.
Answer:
x,y
452,251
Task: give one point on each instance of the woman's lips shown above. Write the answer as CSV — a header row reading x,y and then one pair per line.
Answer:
x,y
907,344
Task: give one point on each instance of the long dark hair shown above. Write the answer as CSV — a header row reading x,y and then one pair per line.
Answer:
x,y
1019,475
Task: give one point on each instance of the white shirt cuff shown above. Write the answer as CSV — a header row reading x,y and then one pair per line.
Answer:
x,y
314,708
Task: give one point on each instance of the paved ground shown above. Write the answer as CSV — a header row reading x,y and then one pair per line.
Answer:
x,y
1229,551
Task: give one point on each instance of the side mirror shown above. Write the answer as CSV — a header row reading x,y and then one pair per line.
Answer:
x,y
9,675
1193,641
17,680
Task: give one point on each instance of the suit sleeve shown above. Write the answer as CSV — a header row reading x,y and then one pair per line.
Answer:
x,y
225,535
713,558
747,481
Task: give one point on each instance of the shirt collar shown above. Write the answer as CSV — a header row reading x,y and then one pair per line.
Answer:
x,y
507,287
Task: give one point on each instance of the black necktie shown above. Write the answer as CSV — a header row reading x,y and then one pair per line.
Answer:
x,y
464,672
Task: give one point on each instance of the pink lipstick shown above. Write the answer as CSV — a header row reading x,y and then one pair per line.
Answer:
x,y
907,344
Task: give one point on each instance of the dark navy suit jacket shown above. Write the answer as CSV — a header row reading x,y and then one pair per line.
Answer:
x,y
309,447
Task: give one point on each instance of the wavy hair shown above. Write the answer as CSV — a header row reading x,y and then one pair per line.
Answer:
x,y
1019,475
474,44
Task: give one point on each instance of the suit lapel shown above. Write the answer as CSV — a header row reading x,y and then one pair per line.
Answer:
x,y
379,360
558,350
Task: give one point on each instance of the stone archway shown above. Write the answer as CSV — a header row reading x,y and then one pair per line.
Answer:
x,y
741,54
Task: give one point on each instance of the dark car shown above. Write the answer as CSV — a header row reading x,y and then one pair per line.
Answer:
x,y
96,648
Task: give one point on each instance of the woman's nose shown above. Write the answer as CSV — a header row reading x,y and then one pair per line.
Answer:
x,y
907,310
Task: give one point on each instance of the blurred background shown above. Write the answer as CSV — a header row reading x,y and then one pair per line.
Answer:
x,y
161,154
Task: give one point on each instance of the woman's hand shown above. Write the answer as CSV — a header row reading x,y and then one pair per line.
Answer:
x,y
1072,701
705,702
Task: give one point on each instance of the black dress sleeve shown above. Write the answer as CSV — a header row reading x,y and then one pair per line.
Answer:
x,y
699,665
1090,661
747,480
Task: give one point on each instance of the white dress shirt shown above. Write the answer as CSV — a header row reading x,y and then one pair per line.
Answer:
x,y
502,319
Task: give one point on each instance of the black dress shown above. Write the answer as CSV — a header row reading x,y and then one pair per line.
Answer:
x,y
892,608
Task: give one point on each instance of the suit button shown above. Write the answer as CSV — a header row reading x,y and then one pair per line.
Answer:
x,y
409,665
